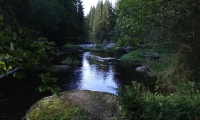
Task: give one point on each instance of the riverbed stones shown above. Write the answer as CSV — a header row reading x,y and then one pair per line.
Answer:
x,y
97,105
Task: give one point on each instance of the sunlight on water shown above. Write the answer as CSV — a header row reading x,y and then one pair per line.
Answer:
x,y
97,76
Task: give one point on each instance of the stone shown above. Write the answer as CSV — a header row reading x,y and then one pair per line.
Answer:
x,y
156,56
97,106
142,69
128,48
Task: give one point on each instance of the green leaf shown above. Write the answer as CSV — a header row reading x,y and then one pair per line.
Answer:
x,y
12,46
44,88
20,31
10,67
41,43
55,89
18,75
1,17
49,47
2,56
42,39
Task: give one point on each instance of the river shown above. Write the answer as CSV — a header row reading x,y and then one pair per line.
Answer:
x,y
97,71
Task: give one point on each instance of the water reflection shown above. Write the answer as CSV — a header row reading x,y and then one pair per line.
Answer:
x,y
103,72
95,75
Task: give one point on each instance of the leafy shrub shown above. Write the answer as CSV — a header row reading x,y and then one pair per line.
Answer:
x,y
99,46
136,55
68,46
139,103
69,60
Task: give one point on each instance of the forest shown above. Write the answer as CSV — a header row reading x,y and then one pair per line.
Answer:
x,y
30,29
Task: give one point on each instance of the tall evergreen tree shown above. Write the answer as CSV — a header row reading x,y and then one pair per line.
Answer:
x,y
69,24
107,19
91,17
61,21
81,21
97,27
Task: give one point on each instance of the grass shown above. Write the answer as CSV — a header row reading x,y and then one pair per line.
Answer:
x,y
168,69
56,110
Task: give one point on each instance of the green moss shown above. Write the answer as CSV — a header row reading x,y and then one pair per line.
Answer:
x,y
55,110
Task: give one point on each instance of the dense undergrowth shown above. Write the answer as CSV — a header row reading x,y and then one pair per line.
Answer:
x,y
176,94
138,103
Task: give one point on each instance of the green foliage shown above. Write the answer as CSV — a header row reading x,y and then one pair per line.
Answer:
x,y
97,27
139,103
91,17
113,35
102,21
68,46
20,50
19,75
108,21
157,21
137,56
69,60
49,84
170,27
99,46
61,21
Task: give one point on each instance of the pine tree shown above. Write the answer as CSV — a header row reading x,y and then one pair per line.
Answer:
x,y
97,27
107,19
91,18
81,21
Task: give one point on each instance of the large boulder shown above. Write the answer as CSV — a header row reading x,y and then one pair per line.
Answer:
x,y
76,105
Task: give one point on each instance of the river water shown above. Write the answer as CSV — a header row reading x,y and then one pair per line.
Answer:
x,y
97,71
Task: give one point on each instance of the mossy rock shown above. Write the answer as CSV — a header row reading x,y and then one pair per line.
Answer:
x,y
76,105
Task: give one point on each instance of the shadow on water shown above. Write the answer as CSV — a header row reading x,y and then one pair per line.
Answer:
x,y
96,71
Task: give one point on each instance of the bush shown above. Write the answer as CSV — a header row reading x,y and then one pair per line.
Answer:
x,y
139,103
69,60
136,55
68,46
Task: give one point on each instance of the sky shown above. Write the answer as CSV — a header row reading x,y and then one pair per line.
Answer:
x,y
88,3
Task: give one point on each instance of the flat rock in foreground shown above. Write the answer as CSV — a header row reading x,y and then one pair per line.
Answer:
x,y
97,105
